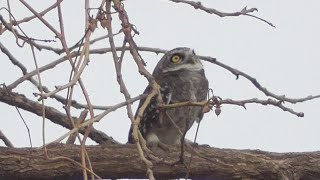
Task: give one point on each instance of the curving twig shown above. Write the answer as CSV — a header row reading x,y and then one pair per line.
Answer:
x,y
266,102
255,82
59,51
244,12
241,103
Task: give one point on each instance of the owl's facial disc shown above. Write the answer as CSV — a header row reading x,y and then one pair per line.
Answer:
x,y
183,59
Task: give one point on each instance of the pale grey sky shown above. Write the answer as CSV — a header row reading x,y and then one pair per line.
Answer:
x,y
284,59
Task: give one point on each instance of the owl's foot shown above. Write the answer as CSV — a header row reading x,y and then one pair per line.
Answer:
x,y
188,142
199,145
155,147
155,144
163,146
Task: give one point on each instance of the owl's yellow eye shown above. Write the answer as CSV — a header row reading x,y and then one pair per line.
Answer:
x,y
176,59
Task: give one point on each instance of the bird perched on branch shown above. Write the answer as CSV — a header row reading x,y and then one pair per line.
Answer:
x,y
181,77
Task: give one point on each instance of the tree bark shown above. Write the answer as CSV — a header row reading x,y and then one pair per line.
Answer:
x,y
123,161
55,116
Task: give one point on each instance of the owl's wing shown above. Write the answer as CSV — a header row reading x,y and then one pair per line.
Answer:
x,y
151,113
202,92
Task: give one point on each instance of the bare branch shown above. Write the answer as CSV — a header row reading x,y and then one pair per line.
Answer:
x,y
254,81
28,76
13,60
6,141
59,51
244,11
40,18
272,102
242,103
42,13
52,114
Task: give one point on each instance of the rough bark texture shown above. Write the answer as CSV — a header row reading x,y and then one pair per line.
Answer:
x,y
122,161
55,116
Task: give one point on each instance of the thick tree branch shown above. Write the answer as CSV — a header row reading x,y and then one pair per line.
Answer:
x,y
123,161
52,114
6,141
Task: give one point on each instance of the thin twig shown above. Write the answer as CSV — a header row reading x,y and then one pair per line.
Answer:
x,y
243,12
254,81
28,76
242,103
10,99
59,51
96,118
46,23
269,101
42,13
43,109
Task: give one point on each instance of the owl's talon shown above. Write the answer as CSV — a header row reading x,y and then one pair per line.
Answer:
x,y
204,145
159,145
200,145
164,147
154,143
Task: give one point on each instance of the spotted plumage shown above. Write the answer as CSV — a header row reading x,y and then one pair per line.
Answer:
x,y
181,77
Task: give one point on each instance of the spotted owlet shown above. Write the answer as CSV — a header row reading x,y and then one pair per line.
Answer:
x,y
181,77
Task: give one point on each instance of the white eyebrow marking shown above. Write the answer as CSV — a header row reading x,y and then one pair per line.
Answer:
x,y
190,67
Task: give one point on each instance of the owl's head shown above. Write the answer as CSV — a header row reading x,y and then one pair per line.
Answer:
x,y
180,58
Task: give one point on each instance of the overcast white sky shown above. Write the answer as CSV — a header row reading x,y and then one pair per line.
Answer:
x,y
284,59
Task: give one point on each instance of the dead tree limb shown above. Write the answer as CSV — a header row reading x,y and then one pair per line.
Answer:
x,y
55,116
123,161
